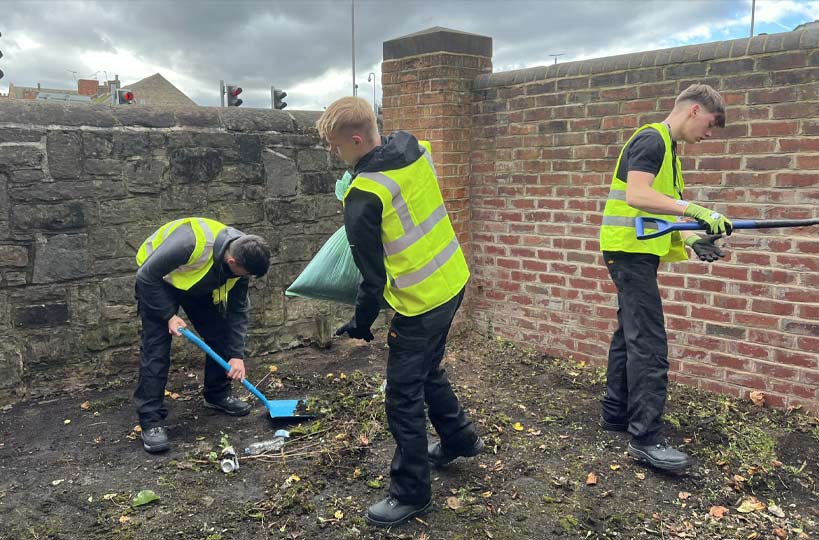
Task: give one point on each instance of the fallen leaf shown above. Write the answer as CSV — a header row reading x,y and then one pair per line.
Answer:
x,y
144,497
776,463
718,511
137,429
273,368
683,495
591,479
339,514
453,502
109,496
342,376
174,395
780,533
364,440
614,467
124,519
776,511
757,397
356,472
58,482
640,476
517,426
66,421
486,494
738,478
751,504
85,405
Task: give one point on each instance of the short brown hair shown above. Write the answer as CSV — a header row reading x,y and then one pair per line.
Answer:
x,y
348,113
708,98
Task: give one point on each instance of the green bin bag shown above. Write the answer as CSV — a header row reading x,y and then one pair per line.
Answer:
x,y
331,275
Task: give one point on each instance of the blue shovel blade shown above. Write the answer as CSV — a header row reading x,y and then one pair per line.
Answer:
x,y
288,408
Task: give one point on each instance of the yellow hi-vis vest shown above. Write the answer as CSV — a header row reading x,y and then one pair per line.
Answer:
x,y
425,264
617,232
201,260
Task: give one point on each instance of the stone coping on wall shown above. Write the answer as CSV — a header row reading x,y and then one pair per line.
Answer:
x,y
807,38
43,113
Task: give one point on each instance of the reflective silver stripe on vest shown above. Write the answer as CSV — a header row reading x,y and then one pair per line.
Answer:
x,y
398,201
618,221
617,195
415,234
149,243
429,160
207,253
413,278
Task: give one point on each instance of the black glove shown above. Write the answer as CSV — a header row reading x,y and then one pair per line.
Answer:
x,y
705,247
358,333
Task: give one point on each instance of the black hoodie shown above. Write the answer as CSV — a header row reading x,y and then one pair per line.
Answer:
x,y
362,220
159,299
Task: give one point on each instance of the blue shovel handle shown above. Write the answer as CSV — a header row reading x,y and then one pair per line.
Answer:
x,y
659,227
210,352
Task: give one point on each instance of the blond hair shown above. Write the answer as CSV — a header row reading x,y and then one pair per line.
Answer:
x,y
708,98
350,114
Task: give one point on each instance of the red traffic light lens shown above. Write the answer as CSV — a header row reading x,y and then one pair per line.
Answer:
x,y
236,91
128,96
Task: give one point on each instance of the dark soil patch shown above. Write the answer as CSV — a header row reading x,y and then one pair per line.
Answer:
x,y
538,416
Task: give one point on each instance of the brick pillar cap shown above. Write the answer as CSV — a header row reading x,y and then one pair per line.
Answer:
x,y
438,39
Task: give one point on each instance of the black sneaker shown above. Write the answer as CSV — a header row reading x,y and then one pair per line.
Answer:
x,y
660,455
390,512
439,456
613,426
155,439
229,405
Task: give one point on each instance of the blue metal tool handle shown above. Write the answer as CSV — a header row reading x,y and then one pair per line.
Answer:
x,y
661,226
196,340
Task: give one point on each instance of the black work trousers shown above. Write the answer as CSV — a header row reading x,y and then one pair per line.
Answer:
x,y
155,356
415,376
637,374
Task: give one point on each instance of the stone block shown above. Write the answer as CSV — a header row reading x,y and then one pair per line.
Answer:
x,y
110,334
21,156
18,135
4,197
290,211
144,116
61,257
243,173
14,256
281,174
250,148
145,175
46,192
131,144
118,290
26,176
317,182
11,363
97,144
53,217
64,154
184,197
14,279
127,210
198,165
104,167
313,159
48,350
84,300
41,315
238,213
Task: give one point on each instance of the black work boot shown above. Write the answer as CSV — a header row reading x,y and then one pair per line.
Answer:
x,y
660,455
155,439
439,456
229,405
390,512
613,426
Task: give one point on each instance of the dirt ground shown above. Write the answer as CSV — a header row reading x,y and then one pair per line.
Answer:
x,y
71,467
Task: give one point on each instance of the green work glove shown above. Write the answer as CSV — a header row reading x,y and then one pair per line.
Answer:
x,y
714,222
705,247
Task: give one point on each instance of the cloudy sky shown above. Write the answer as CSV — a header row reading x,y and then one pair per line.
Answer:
x,y
305,46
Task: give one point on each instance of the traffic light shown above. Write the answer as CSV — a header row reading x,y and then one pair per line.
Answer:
x,y
125,97
233,95
278,99
1,56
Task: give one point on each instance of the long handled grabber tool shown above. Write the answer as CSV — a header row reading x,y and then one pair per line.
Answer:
x,y
648,227
279,409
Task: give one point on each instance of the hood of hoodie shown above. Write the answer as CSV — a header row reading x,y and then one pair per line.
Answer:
x,y
396,152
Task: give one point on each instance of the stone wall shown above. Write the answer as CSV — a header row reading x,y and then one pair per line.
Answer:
x,y
543,143
82,186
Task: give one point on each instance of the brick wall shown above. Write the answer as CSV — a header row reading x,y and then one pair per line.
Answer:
x,y
543,145
82,186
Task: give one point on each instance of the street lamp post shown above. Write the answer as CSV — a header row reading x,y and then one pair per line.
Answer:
x,y
371,77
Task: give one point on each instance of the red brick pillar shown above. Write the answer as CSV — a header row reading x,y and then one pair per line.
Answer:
x,y
427,90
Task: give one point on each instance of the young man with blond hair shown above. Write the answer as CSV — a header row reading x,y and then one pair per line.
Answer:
x,y
405,247
647,182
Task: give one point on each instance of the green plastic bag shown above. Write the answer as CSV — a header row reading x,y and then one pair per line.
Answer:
x,y
331,275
